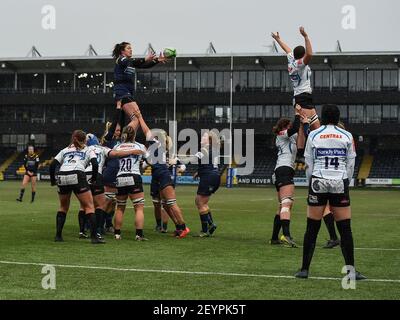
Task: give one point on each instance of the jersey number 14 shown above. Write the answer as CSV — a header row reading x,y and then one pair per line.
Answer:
x,y
334,162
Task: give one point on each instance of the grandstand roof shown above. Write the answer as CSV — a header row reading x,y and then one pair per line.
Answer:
x,y
265,59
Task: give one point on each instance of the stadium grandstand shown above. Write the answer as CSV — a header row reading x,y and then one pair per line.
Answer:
x,y
42,100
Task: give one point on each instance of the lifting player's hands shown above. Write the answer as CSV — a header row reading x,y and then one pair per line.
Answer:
x,y
137,113
303,32
304,119
276,36
298,109
173,161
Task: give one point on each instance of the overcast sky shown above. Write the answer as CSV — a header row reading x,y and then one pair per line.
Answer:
x,y
189,25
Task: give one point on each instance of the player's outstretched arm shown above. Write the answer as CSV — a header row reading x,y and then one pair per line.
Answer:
x,y
143,125
282,44
124,153
309,51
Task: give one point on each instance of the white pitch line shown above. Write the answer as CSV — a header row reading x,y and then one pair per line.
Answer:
x,y
379,249
272,199
187,272
370,249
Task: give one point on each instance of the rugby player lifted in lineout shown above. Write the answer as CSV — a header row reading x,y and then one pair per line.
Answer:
x,y
124,77
300,75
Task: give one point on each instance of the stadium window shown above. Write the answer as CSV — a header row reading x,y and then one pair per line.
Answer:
x,y
340,81
207,113
251,112
59,82
240,81
23,114
223,81
33,114
89,113
373,114
207,81
320,80
256,81
190,82
31,83
221,114
7,83
287,111
272,112
179,81
8,113
157,113
356,80
59,114
143,81
374,80
273,80
260,112
255,113
9,139
356,113
390,113
109,81
343,112
158,81
90,82
286,84
390,80
186,113
239,114
236,113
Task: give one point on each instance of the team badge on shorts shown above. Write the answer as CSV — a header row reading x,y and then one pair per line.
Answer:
x,y
315,185
312,198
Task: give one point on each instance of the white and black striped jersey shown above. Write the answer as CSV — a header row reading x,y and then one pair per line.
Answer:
x,y
72,159
130,164
299,74
330,153
101,154
287,149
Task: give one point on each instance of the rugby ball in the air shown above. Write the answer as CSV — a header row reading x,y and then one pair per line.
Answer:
x,y
169,52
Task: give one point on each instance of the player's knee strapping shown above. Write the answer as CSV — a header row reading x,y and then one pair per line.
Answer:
x,y
121,203
314,119
156,201
169,202
138,201
286,204
110,195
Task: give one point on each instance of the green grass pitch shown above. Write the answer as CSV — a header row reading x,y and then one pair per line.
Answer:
x,y
238,263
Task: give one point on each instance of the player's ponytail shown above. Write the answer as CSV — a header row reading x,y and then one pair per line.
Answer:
x,y
281,125
78,139
128,134
118,48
